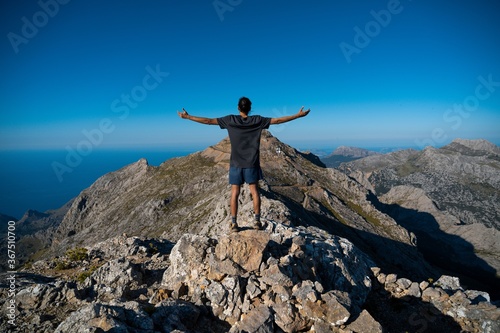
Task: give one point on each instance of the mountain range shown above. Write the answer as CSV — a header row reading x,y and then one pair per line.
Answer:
x,y
448,197
344,154
420,215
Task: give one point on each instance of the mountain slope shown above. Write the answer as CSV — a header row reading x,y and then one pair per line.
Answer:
x,y
34,232
330,257
446,196
191,194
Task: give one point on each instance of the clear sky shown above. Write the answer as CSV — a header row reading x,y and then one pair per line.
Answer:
x,y
113,73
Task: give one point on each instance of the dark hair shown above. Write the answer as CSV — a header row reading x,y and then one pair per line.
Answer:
x,y
244,105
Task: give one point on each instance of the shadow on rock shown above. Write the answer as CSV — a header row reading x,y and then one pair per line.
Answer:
x,y
407,314
450,254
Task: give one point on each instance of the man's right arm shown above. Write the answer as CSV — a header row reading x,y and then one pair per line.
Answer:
x,y
281,120
201,120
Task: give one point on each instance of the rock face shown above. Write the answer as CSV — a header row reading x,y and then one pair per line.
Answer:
x,y
289,278
34,231
296,279
446,196
191,195
332,256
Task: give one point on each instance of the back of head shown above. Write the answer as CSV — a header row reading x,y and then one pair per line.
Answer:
x,y
244,105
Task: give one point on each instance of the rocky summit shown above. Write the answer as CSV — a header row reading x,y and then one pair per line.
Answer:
x,y
280,279
148,249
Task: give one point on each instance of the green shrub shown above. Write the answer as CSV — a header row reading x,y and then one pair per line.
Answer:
x,y
77,254
84,275
62,265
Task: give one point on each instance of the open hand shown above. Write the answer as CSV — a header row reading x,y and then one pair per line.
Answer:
x,y
183,114
303,113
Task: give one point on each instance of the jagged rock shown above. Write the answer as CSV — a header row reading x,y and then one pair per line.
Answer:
x,y
115,279
365,323
114,316
148,201
176,315
338,272
446,196
244,249
414,290
246,302
258,320
448,283
122,245
187,260
403,283
293,276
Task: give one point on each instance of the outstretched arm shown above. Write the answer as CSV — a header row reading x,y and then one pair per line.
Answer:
x,y
284,119
201,120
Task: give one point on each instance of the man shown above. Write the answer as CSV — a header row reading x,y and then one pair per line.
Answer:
x,y
244,165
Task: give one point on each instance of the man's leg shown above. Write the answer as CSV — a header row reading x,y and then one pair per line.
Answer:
x,y
235,193
254,190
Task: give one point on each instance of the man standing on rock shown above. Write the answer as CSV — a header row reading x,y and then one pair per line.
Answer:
x,y
244,166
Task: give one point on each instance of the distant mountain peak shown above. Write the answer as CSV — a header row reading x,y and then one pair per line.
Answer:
x,y
477,144
353,152
346,154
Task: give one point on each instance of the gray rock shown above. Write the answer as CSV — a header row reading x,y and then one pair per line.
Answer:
x,y
366,324
448,283
448,194
114,316
403,283
414,290
187,260
258,320
173,315
115,280
338,287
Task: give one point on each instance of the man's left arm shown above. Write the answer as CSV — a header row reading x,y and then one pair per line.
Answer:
x,y
201,120
284,119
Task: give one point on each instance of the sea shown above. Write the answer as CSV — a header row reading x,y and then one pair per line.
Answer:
x,y
44,180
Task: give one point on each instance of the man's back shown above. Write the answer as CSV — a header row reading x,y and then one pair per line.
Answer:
x,y
244,134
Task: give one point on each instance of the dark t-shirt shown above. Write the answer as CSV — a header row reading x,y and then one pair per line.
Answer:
x,y
244,134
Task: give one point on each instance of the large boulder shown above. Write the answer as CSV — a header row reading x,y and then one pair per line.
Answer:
x,y
283,277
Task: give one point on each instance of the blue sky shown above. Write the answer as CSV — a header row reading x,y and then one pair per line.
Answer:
x,y
113,73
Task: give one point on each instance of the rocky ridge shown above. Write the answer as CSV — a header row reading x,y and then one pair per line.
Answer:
x,y
34,232
191,194
281,279
124,278
446,196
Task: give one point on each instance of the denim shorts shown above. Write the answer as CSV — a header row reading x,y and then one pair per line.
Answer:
x,y
238,176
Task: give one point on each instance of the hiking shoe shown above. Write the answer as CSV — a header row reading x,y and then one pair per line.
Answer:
x,y
233,227
257,225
